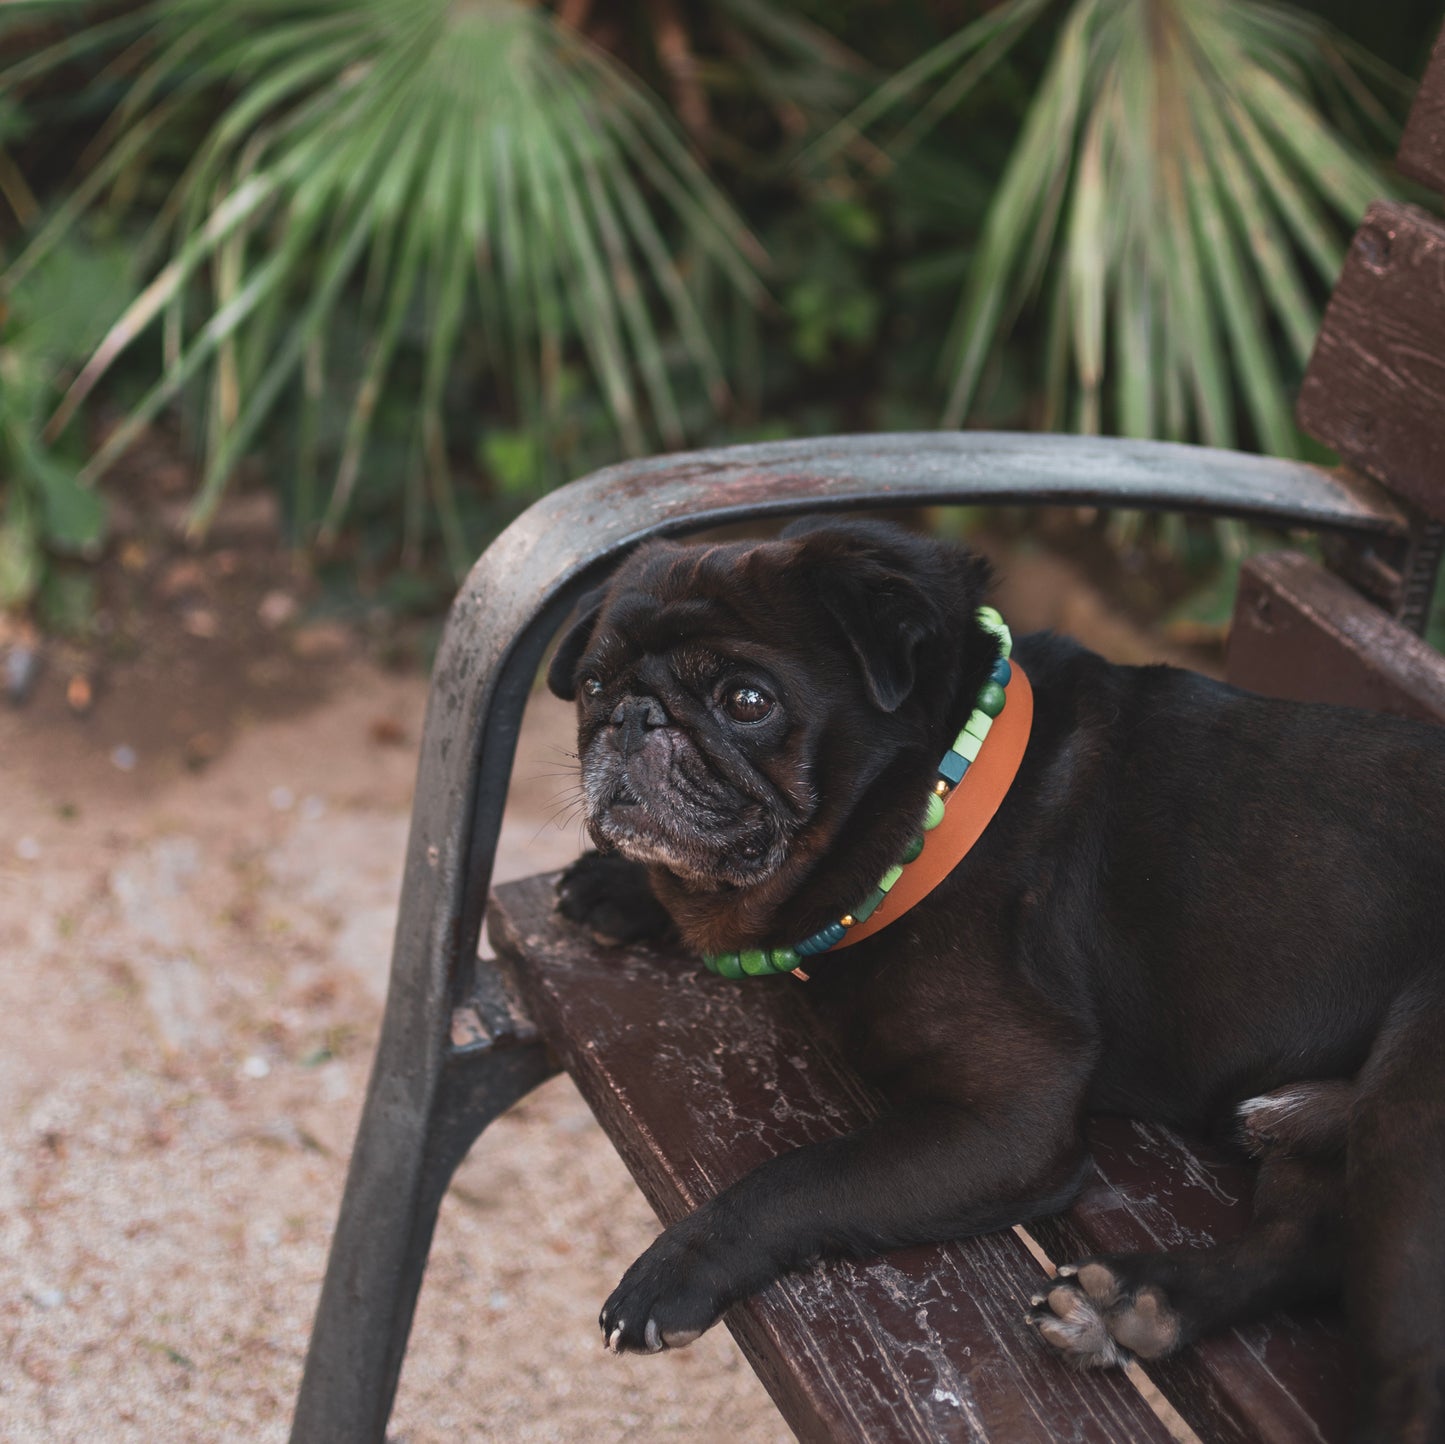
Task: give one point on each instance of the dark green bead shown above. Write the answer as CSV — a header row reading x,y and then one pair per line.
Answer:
x,y
913,849
754,962
729,965
784,960
991,699
709,961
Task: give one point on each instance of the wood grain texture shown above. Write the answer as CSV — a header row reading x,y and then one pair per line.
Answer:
x,y
697,1080
1285,1378
1375,387
1301,632
1422,148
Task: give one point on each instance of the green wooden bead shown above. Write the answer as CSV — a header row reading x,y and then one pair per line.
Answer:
x,y
784,960
967,745
754,962
978,724
869,905
991,700
728,965
934,814
913,848
990,621
885,883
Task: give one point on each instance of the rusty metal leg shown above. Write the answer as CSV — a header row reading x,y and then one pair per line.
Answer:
x,y
394,1188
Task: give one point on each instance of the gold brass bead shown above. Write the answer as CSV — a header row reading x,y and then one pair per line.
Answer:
x,y
848,921
943,787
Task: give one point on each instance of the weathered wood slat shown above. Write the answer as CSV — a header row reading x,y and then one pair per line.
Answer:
x,y
1422,148
1301,632
1284,1379
925,1344
1375,387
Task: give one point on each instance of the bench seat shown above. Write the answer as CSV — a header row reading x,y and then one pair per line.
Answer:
x,y
925,1343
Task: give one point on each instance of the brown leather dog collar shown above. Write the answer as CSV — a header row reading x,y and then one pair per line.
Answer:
x,y
971,807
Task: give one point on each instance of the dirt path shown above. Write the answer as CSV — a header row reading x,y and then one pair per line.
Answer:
x,y
194,965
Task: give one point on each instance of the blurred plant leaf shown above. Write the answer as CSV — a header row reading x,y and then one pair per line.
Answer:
x,y
1181,192
481,166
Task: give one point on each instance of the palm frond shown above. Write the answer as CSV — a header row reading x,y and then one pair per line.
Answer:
x,y
1181,184
477,166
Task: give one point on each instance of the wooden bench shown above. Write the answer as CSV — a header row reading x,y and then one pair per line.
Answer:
x,y
696,1080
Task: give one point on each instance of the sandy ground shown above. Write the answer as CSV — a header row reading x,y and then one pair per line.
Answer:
x,y
192,978
192,968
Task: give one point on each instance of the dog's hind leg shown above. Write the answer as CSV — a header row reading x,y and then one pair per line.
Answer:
x,y
1395,1239
1105,1309
1303,1119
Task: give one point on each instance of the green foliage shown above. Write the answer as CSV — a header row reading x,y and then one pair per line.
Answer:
x,y
1176,203
380,242
48,512
472,167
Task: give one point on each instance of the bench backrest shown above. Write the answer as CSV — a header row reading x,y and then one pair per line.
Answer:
x,y
1374,392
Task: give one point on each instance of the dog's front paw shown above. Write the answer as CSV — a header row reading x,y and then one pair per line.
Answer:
x,y
665,1300
1094,1317
609,898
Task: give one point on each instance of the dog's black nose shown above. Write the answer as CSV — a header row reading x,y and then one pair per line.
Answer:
x,y
636,716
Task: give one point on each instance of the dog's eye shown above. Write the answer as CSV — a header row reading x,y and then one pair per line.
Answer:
x,y
747,704
592,686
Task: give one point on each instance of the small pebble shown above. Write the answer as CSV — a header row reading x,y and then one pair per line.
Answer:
x,y
255,1067
200,622
79,694
48,1298
22,667
313,808
282,799
276,609
27,849
123,758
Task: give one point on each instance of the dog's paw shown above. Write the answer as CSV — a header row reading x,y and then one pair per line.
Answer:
x,y
1094,1318
661,1303
608,897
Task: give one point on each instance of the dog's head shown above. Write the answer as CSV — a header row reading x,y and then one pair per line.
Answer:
x,y
739,702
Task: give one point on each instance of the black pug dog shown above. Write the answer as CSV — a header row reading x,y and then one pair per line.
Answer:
x,y
1194,905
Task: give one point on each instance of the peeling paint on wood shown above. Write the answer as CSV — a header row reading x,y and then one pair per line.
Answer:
x,y
1375,387
1422,148
1300,632
924,1343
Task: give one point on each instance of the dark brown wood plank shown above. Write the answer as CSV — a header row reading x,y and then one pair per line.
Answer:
x,y
1301,632
697,1080
1422,148
1375,387
1284,1379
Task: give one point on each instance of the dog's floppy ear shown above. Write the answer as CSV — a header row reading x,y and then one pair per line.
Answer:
x,y
893,592
562,674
